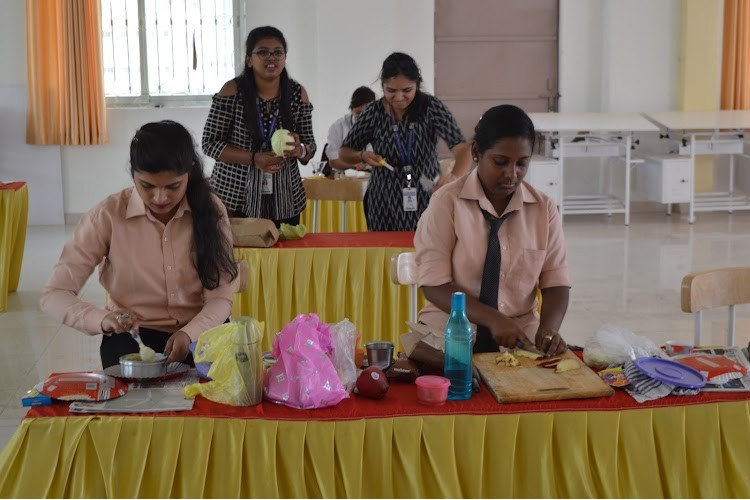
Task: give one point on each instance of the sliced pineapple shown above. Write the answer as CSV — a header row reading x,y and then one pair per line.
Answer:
x,y
566,365
506,359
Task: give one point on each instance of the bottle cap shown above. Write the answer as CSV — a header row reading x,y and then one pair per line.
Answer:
x,y
458,301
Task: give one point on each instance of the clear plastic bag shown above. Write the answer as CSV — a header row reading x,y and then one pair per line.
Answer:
x,y
236,363
344,341
615,345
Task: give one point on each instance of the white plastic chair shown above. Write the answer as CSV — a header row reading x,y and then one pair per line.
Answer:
x,y
404,271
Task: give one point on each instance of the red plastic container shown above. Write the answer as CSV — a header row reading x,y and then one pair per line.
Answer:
x,y
432,390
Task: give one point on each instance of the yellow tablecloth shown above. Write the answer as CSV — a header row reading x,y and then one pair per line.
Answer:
x,y
329,216
335,283
699,451
14,211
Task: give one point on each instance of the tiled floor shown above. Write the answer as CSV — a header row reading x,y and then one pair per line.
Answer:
x,y
628,276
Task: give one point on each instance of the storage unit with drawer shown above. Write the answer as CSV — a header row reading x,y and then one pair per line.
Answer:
x,y
666,179
544,175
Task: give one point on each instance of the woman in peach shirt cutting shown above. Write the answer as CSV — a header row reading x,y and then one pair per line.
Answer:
x,y
456,247
164,251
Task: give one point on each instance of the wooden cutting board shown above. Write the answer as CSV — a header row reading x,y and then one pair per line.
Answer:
x,y
529,382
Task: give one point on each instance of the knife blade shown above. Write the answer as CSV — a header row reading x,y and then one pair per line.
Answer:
x,y
533,350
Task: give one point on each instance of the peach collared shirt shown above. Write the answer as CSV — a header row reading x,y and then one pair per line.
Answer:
x,y
146,266
451,245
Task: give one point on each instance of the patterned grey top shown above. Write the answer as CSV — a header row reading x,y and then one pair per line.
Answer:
x,y
239,186
384,198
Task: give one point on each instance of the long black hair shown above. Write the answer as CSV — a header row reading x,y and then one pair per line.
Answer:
x,y
500,122
249,92
397,64
167,146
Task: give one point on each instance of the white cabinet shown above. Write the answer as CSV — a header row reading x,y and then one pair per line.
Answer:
x,y
544,175
666,179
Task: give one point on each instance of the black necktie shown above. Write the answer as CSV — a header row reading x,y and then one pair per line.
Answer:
x,y
490,281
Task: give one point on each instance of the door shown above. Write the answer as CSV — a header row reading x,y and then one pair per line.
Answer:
x,y
490,52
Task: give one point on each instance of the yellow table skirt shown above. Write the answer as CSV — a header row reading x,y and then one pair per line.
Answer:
x,y
329,216
335,283
699,451
14,210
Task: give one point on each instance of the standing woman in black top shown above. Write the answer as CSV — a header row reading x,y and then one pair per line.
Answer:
x,y
403,128
248,177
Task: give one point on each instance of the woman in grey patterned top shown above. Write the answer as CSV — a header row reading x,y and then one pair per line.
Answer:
x,y
403,128
248,177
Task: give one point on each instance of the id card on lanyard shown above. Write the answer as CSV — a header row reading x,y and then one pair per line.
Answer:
x,y
266,186
409,192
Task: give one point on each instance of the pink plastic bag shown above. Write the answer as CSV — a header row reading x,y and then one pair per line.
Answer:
x,y
304,376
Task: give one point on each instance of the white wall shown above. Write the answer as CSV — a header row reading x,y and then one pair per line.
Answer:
x,y
614,56
619,56
580,55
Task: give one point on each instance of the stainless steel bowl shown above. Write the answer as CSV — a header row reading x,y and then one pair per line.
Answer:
x,y
380,354
132,366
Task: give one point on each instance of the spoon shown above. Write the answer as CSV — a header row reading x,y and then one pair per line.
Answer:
x,y
147,354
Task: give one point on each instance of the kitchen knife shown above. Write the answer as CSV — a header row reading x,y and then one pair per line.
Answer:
x,y
532,350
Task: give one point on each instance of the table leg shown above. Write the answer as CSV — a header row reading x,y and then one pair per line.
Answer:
x,y
691,203
315,216
628,143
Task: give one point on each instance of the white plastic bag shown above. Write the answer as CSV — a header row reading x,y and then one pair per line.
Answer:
x,y
344,340
616,345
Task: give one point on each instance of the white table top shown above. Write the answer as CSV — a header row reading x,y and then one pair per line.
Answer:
x,y
593,122
702,120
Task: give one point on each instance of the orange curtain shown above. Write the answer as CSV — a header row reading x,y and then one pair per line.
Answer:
x,y
735,71
64,70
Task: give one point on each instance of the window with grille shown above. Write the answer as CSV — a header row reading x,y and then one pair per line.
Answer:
x,y
162,50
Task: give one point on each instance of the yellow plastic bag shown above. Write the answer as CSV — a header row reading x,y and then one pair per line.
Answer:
x,y
236,363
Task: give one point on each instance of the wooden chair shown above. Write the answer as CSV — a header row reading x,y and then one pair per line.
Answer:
x,y
404,271
343,190
724,287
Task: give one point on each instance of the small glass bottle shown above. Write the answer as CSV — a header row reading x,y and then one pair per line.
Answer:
x,y
458,349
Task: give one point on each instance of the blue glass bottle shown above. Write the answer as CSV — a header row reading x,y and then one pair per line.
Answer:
x,y
458,349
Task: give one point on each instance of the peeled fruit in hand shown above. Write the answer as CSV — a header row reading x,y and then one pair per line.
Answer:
x,y
279,141
372,383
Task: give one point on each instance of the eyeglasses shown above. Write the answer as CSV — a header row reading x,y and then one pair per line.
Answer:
x,y
266,54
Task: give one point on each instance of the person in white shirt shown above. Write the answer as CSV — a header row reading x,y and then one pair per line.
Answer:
x,y
360,98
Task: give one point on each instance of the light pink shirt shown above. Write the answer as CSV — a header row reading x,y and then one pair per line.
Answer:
x,y
147,267
451,245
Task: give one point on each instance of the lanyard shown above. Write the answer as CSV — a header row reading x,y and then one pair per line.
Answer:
x,y
266,137
404,155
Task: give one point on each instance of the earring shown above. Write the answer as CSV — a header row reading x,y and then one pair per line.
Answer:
x,y
476,160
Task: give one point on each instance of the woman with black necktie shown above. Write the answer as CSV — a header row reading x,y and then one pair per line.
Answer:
x,y
499,240
248,176
403,128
